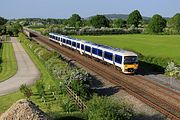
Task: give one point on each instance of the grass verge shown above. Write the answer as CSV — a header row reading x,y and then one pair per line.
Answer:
x,y
7,100
8,65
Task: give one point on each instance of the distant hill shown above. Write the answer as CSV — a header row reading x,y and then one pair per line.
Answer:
x,y
115,16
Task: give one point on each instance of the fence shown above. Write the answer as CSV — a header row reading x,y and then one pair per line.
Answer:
x,y
76,98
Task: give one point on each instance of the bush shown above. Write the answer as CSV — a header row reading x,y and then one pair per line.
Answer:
x,y
172,70
68,105
40,88
103,108
26,91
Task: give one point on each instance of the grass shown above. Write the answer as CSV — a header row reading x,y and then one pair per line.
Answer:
x,y
9,65
148,45
7,100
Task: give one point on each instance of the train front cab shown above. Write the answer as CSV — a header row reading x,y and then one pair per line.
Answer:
x,y
130,64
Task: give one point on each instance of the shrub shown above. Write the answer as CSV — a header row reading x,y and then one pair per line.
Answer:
x,y
103,108
26,90
40,88
68,105
172,70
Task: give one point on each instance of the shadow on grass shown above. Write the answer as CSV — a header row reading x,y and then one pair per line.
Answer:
x,y
149,69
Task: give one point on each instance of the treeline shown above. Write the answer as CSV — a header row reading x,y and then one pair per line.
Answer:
x,y
11,28
99,24
95,25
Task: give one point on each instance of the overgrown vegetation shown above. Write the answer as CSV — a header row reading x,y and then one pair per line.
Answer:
x,y
173,70
103,108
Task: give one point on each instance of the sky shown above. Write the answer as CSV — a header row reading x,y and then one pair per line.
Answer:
x,y
65,8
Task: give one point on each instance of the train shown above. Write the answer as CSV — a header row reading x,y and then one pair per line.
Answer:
x,y
126,61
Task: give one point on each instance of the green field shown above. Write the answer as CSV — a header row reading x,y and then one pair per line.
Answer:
x,y
148,45
9,66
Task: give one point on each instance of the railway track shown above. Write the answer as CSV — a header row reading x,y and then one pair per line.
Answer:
x,y
159,97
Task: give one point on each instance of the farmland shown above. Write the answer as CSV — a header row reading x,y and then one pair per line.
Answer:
x,y
148,45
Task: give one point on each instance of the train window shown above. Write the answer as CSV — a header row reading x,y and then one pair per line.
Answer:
x,y
95,51
87,48
61,40
64,41
53,37
99,52
82,47
78,45
74,44
108,55
118,59
67,41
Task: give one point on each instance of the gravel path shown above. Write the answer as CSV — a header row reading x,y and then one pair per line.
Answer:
x,y
27,72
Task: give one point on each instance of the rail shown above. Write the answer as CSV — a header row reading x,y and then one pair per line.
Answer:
x,y
132,84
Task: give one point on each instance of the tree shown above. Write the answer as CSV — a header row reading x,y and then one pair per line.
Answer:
x,y
175,22
3,21
74,20
13,28
134,18
119,23
156,24
99,21
26,91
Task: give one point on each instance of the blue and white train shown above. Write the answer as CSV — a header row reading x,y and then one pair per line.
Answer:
x,y
127,61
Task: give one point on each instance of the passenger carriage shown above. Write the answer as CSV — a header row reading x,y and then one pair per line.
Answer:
x,y
127,61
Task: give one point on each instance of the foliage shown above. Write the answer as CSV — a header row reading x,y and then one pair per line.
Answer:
x,y
40,88
119,23
3,21
156,24
68,116
2,30
79,81
26,90
103,108
174,23
173,70
99,21
75,20
68,105
13,28
134,18
62,71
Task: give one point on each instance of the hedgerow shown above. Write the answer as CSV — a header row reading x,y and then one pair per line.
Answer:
x,y
103,108
76,78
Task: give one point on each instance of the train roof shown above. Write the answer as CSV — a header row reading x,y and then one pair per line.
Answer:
x,y
117,50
